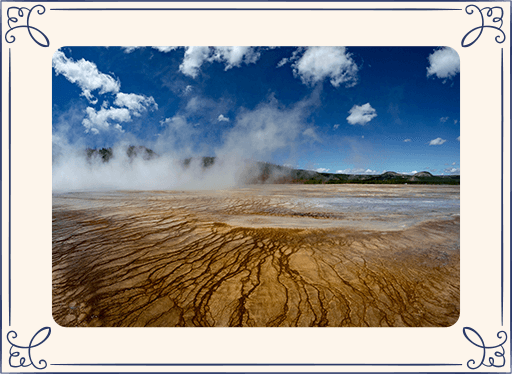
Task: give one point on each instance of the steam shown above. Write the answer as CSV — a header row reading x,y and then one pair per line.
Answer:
x,y
77,172
254,136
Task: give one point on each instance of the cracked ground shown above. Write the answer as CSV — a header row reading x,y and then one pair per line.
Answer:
x,y
262,256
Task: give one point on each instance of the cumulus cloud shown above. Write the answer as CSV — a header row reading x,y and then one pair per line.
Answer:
x,y
322,170
165,49
357,171
234,56
135,103
102,119
221,118
129,49
195,57
407,140
437,141
85,74
453,171
295,55
336,126
444,63
319,63
161,49
443,119
361,115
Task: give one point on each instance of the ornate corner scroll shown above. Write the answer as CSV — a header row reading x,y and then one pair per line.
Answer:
x,y
498,350
14,353
479,29
20,15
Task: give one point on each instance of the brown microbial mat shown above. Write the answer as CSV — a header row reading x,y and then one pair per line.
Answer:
x,y
271,255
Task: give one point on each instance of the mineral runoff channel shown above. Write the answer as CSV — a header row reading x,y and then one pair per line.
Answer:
x,y
262,255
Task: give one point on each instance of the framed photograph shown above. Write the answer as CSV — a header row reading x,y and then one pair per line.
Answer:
x,y
256,186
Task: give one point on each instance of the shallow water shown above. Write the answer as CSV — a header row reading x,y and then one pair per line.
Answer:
x,y
385,205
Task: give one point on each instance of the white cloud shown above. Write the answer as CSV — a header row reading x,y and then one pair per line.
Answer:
x,y
444,63
97,121
136,103
130,49
319,63
437,141
358,171
295,56
322,170
455,121
458,138
85,74
234,56
195,57
452,171
165,49
443,119
361,115
161,49
221,118
188,89
407,140
336,126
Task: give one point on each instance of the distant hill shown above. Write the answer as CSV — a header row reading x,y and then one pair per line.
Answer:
x,y
263,172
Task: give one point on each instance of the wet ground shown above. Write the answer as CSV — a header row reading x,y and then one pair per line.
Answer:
x,y
277,255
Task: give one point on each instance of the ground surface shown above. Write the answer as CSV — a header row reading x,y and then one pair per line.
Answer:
x,y
277,255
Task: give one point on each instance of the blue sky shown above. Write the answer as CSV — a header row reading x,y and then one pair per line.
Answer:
x,y
335,109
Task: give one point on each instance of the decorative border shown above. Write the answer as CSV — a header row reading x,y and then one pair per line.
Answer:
x,y
10,236
480,28
16,353
501,335
256,9
10,19
484,349
502,166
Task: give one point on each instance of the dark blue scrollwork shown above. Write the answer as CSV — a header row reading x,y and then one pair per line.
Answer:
x,y
471,363
21,14
14,353
480,29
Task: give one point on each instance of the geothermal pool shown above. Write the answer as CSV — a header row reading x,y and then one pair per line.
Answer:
x,y
395,205
271,255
